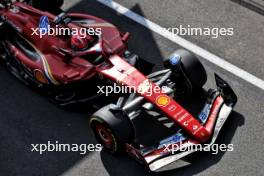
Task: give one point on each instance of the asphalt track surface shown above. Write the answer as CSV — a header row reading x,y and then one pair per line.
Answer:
x,y
27,117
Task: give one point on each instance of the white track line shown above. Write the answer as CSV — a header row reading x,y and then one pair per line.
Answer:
x,y
185,44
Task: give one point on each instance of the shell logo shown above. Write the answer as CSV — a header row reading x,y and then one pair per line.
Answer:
x,y
163,100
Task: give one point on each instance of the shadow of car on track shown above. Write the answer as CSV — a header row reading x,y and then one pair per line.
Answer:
x,y
27,118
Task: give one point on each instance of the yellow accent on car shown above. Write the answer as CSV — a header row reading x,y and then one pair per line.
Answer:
x,y
163,100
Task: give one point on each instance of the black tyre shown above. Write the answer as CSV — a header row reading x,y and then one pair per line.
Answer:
x,y
15,68
112,129
2,56
53,6
191,67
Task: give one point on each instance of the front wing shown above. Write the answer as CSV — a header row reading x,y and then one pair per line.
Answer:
x,y
213,116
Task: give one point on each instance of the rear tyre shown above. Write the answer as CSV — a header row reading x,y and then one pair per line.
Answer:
x,y
112,129
53,6
3,56
15,68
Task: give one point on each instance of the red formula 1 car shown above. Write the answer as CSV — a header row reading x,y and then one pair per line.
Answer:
x,y
70,68
64,65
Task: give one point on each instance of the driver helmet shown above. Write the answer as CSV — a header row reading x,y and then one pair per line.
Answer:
x,y
79,43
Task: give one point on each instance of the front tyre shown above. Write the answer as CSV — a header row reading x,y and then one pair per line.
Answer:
x,y
187,68
112,129
193,68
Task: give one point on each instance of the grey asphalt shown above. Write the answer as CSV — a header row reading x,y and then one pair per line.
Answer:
x,y
27,117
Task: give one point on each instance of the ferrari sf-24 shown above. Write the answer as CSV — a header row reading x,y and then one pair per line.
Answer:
x,y
69,68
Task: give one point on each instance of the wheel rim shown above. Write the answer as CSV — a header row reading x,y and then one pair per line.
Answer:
x,y
105,136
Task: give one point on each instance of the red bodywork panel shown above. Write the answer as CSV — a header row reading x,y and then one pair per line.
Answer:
x,y
127,75
52,62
